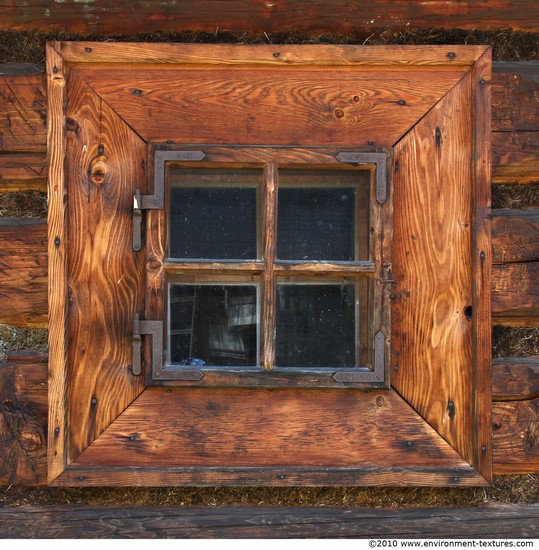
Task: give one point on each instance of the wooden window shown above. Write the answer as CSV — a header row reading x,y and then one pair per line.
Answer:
x,y
277,267
269,129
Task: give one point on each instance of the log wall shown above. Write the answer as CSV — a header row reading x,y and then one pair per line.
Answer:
x,y
23,269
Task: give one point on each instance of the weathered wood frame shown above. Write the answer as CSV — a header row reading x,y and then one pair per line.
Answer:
x,y
268,270
432,104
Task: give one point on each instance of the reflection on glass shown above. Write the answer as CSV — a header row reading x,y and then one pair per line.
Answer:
x,y
323,216
213,325
316,325
213,214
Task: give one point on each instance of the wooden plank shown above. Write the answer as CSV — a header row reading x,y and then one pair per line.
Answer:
x,y
23,112
515,157
271,106
23,422
493,521
514,96
481,252
23,272
515,427
433,270
241,16
235,436
105,164
515,378
515,235
269,55
23,172
58,294
515,294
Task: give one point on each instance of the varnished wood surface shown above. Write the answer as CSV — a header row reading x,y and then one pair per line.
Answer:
x,y
57,251
515,118
515,429
515,294
23,421
282,437
515,235
23,272
433,269
270,106
278,55
106,162
515,378
325,16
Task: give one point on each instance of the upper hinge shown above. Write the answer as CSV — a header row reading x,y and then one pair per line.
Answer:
x,y
379,159
157,200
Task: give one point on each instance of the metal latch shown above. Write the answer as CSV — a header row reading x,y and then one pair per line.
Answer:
x,y
147,328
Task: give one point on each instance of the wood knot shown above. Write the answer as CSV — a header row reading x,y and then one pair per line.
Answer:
x,y
98,173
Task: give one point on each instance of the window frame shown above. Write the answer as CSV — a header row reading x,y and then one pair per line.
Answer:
x,y
107,103
376,270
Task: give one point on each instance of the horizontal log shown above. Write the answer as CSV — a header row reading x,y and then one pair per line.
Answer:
x,y
515,235
23,113
240,16
515,378
23,421
515,437
514,96
515,294
23,272
51,522
515,157
23,172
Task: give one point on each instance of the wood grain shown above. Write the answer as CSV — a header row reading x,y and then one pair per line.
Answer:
x,y
271,106
515,157
23,422
252,522
246,435
23,172
280,55
481,256
515,378
57,453
242,16
515,235
23,272
23,112
516,437
514,96
432,362
515,294
105,163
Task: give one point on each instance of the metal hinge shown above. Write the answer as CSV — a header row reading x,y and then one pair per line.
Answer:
x,y
147,328
157,200
380,159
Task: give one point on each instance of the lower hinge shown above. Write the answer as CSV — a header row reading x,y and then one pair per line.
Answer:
x,y
147,328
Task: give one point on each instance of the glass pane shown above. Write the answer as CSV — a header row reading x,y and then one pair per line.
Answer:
x,y
214,325
213,214
317,325
323,216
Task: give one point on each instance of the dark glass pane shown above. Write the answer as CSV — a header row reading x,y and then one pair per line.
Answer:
x,y
316,325
323,215
214,325
212,216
